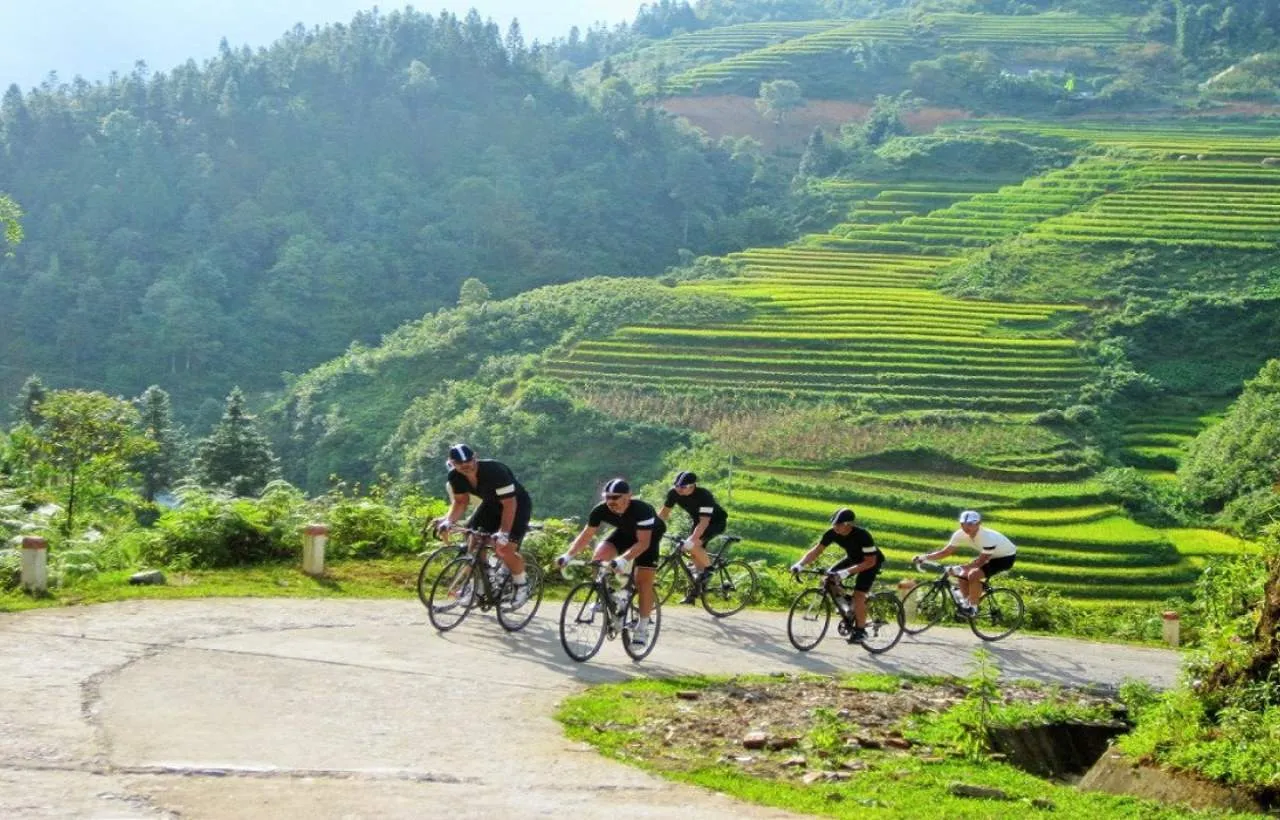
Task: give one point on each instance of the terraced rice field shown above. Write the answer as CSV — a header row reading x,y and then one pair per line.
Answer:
x,y
849,315
835,318
789,57
837,325
1069,540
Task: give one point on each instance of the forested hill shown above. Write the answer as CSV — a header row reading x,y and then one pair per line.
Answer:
x,y
223,223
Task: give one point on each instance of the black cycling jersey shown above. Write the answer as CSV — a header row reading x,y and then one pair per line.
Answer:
x,y
698,503
494,482
636,518
858,544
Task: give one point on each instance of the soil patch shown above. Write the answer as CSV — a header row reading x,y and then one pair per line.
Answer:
x,y
809,728
733,115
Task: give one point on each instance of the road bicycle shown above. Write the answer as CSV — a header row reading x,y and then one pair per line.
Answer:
x,y
594,610
476,577
1000,609
724,589
810,614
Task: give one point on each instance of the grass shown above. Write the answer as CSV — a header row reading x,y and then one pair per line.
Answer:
x,y
375,578
626,722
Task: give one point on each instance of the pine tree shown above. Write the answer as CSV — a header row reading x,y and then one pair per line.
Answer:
x,y
236,455
161,467
27,407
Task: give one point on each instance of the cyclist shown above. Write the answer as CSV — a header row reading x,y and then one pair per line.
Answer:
x,y
504,508
708,518
862,558
996,553
637,532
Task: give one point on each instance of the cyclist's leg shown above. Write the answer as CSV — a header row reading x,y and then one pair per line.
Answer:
x,y
645,570
699,553
985,573
861,587
510,552
837,588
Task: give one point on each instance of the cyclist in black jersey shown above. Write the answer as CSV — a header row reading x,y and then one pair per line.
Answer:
x,y
708,517
862,558
637,533
504,508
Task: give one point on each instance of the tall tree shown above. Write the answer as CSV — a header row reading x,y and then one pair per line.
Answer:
x,y
10,216
161,465
236,455
84,438
778,98
27,407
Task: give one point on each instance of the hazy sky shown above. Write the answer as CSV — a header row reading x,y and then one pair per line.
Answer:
x,y
94,37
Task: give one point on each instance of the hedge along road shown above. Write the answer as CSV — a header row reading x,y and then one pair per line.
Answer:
x,y
223,708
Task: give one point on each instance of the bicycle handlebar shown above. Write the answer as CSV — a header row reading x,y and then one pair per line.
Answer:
x,y
934,566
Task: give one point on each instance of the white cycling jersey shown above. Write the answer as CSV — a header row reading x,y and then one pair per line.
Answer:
x,y
985,541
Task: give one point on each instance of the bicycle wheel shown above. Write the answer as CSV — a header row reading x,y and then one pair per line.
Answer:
x,y
729,588
639,653
809,618
431,569
453,594
672,579
885,622
925,605
515,618
1000,612
582,622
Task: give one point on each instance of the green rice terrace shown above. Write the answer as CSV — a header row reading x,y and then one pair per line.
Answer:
x,y
851,316
709,61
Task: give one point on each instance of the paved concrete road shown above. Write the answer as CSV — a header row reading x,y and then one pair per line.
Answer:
x,y
353,709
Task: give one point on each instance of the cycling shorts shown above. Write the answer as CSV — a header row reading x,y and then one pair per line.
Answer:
x,y
623,541
865,578
997,565
488,517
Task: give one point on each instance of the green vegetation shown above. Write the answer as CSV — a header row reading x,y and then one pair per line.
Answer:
x,y
1221,721
906,769
219,224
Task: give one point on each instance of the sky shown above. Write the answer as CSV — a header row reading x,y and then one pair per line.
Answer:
x,y
92,38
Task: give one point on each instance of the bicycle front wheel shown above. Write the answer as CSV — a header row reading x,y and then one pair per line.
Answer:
x,y
885,622
639,652
1000,612
453,594
582,622
925,605
809,618
729,588
672,579
431,570
511,615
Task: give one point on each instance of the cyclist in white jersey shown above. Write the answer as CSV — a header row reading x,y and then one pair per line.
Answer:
x,y
996,553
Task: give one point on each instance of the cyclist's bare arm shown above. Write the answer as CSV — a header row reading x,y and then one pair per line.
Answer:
x,y
458,507
508,517
814,553
936,554
643,537
704,521
664,513
584,538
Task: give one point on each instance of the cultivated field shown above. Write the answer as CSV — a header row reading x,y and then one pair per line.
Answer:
x,y
849,317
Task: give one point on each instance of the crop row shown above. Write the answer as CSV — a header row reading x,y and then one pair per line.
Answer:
x,y
942,29
720,370
863,357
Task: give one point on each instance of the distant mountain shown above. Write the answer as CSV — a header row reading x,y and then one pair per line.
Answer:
x,y
93,39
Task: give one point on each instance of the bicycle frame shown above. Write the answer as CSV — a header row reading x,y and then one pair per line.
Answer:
x,y
679,557
478,547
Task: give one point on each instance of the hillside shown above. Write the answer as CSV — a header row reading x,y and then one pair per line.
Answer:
x,y
853,379
226,222
1059,56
